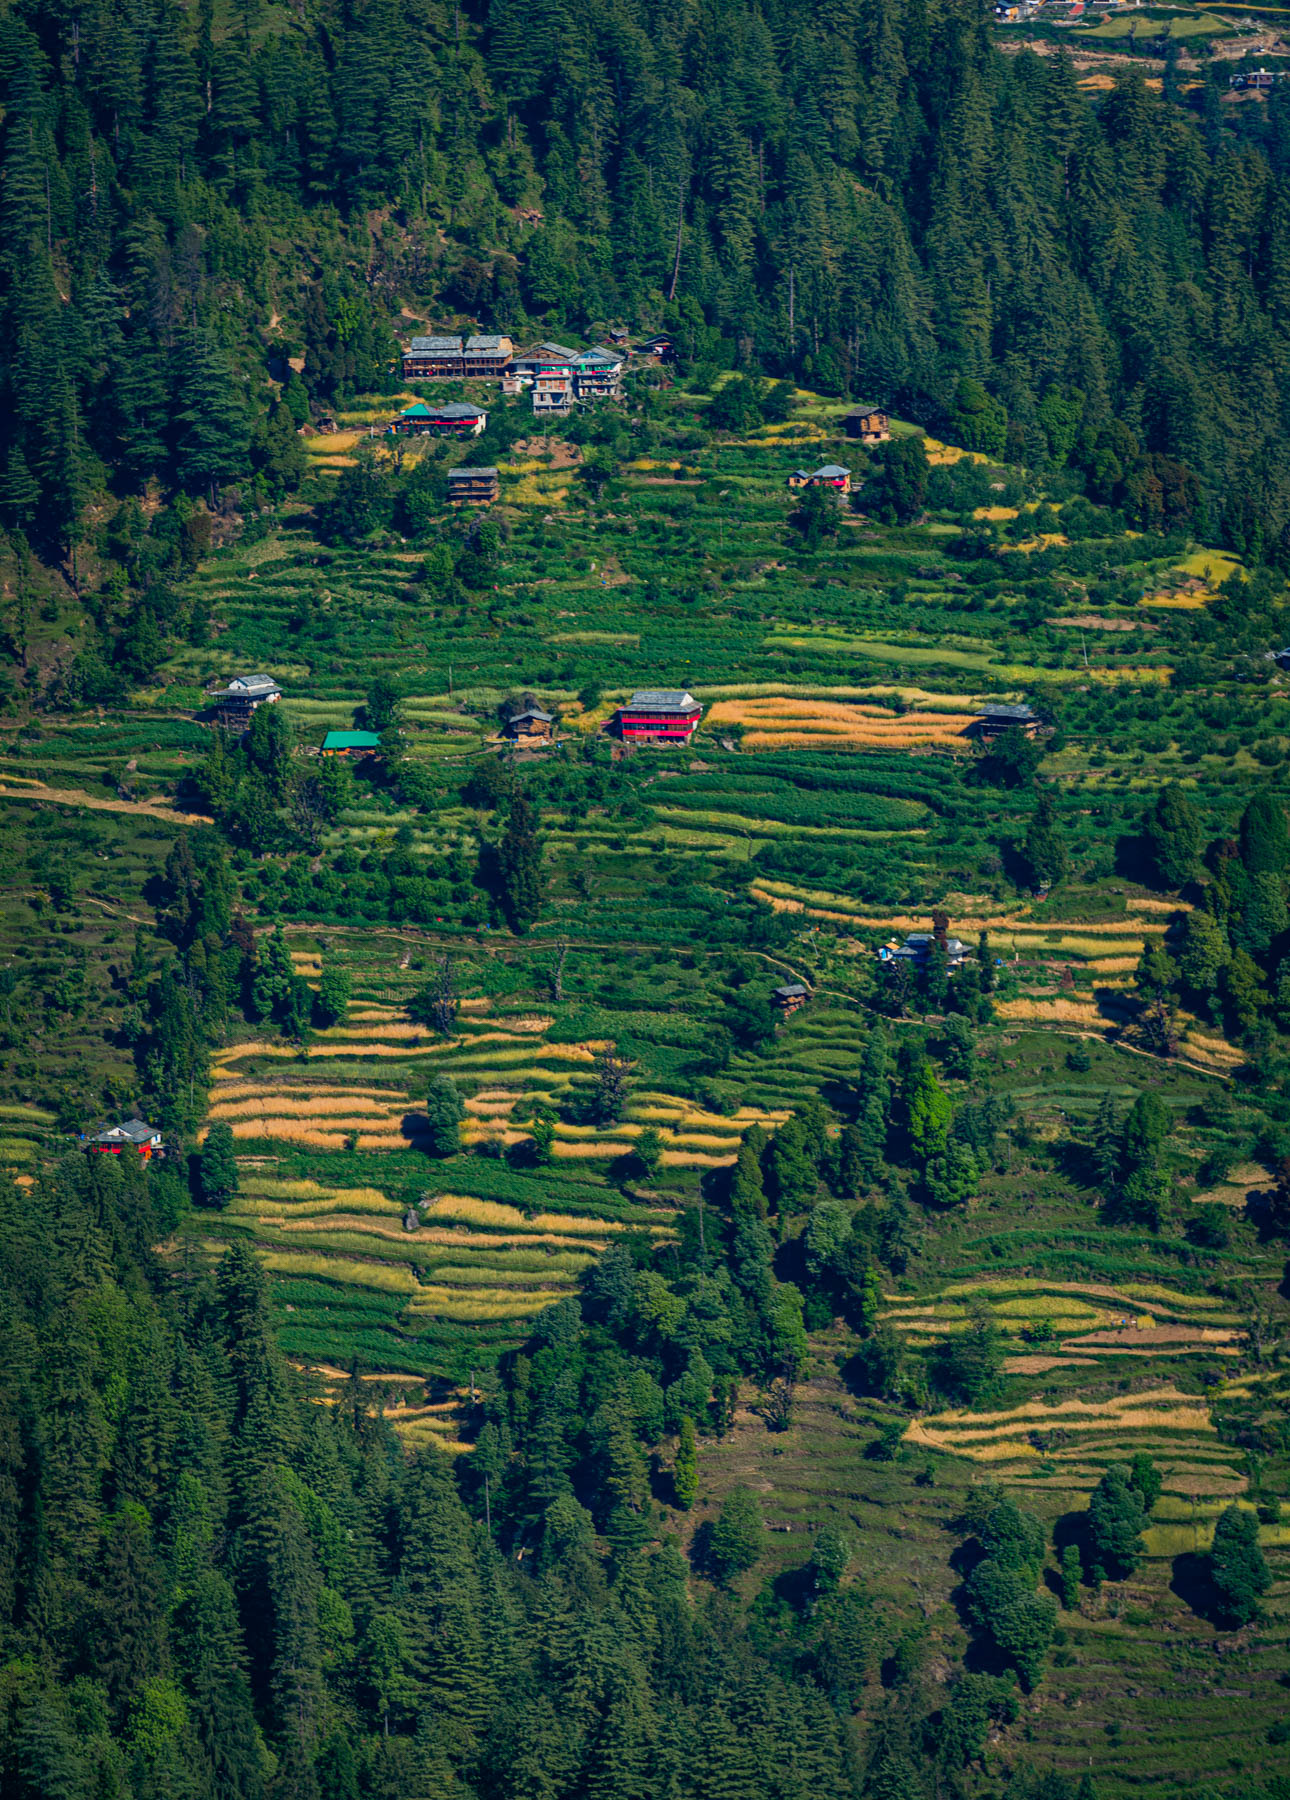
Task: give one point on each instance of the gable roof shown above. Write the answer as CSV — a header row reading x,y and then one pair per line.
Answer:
x,y
134,1131
482,474
664,699
831,472
990,711
865,406
532,712
485,343
437,345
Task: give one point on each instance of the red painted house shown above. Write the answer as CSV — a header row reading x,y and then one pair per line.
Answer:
x,y
134,1134
659,716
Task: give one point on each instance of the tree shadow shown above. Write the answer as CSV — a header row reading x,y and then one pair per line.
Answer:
x,y
414,1127
1191,1582
701,1549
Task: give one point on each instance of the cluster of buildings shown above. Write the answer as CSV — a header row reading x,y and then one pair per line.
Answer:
x,y
651,716
829,475
558,376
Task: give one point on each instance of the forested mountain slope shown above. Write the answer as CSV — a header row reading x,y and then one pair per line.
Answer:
x,y
866,193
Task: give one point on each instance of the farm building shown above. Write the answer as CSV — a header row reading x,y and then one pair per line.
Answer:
x,y
658,349
917,947
992,720
350,743
868,423
235,703
659,716
134,1134
472,487
451,357
831,475
529,724
790,996
456,419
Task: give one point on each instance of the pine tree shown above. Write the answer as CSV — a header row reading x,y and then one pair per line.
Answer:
x,y
1175,832
685,1470
334,987
1045,849
519,862
444,1113
219,1177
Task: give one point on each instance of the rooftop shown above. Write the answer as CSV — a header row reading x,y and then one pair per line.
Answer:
x,y
452,409
472,474
832,472
665,699
532,712
136,1130
250,684
440,345
352,740
991,711
485,343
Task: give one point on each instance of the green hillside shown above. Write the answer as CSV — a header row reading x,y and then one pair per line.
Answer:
x,y
721,1270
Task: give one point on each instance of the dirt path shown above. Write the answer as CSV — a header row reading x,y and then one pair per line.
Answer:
x,y
147,809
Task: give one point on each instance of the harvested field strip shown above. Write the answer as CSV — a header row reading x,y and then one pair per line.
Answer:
x,y
492,1274
318,1106
450,1303
495,1213
357,1198
384,1276
229,1088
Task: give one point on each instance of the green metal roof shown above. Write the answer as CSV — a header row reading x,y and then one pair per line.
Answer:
x,y
351,740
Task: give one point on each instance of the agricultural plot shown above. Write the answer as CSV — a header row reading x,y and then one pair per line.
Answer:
x,y
830,802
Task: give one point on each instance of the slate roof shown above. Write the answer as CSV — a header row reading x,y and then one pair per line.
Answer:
x,y
665,699
136,1131
532,712
831,472
443,346
457,474
1007,712
485,343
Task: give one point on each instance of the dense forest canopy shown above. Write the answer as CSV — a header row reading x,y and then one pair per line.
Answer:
x,y
868,194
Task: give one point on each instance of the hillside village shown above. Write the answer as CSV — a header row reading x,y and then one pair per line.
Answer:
x,y
645,948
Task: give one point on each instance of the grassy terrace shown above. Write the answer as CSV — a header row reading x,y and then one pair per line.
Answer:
x,y
820,810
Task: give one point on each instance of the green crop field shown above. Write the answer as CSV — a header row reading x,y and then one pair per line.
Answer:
x,y
834,799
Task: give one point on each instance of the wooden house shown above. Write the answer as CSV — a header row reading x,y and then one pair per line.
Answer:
x,y
455,419
659,716
830,475
451,357
790,996
658,349
869,424
486,355
350,743
433,358
472,487
529,726
993,719
235,703
134,1134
